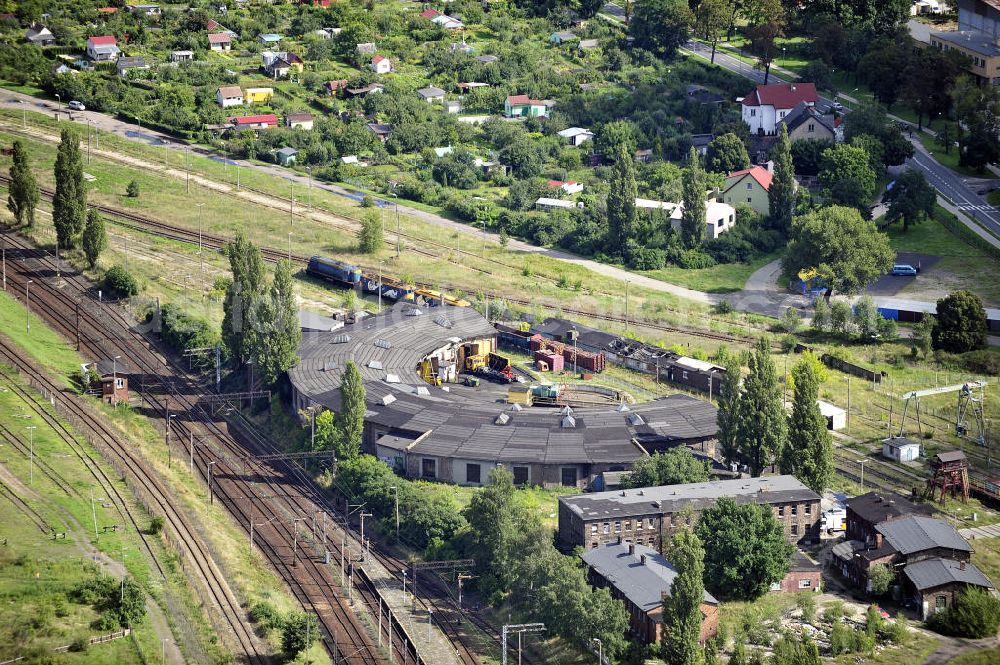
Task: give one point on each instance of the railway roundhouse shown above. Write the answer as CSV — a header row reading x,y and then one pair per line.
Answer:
x,y
456,433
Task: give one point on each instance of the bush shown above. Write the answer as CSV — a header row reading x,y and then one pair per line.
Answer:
x,y
807,603
723,307
695,258
181,331
981,362
898,631
881,578
156,525
132,191
119,282
976,614
265,615
79,645
647,258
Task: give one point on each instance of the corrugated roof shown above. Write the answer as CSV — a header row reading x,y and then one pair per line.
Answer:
x,y
644,584
917,533
933,573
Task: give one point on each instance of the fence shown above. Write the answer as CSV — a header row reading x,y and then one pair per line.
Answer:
x,y
851,368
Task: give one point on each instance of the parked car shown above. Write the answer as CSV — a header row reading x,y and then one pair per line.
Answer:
x,y
837,106
77,106
905,270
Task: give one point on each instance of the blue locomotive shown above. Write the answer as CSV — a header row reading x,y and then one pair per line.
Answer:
x,y
334,271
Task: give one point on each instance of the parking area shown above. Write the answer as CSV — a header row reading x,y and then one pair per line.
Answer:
x,y
890,285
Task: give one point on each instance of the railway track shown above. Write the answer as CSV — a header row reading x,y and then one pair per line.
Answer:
x,y
226,477
216,243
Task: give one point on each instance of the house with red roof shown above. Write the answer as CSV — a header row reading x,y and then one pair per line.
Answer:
x,y
220,41
570,187
749,186
103,48
430,13
255,122
381,64
522,106
767,105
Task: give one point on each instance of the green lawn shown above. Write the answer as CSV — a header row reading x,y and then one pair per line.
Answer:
x,y
980,657
987,556
914,651
720,278
950,158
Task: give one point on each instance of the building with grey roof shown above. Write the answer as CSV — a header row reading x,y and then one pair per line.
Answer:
x,y
934,584
914,534
457,433
641,578
648,515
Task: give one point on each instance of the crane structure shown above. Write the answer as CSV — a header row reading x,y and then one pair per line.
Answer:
x,y
971,395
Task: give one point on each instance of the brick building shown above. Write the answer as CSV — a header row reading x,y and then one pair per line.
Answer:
x,y
867,511
804,574
934,584
646,515
641,578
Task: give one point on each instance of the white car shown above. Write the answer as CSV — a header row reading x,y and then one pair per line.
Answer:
x,y
77,106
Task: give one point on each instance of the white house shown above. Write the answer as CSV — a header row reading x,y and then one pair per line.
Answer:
x,y
546,202
130,63
40,35
767,105
900,449
381,64
570,187
220,41
431,94
103,48
719,217
181,56
576,135
229,95
836,417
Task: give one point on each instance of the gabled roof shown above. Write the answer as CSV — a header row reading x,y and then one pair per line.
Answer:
x,y
299,117
899,442
876,507
517,100
378,58
287,152
758,173
105,40
335,85
379,128
916,534
804,112
131,62
933,573
229,91
573,131
782,95
431,13
643,581
219,37
430,92
267,118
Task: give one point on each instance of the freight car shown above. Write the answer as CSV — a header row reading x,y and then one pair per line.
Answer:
x,y
390,287
573,356
330,270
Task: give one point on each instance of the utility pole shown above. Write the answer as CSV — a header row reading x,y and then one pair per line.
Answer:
x,y
600,649
363,515
211,497
395,492
862,463
170,416
520,629
93,511
200,255
31,454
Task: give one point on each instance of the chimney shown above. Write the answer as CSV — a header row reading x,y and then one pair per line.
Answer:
x,y
878,540
961,565
642,559
631,549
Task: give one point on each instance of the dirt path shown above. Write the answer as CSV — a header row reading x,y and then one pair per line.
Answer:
x,y
950,647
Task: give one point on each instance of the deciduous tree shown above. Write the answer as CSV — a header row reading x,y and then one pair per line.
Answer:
x,y
763,426
809,453
911,199
847,177
766,24
960,324
351,419
371,238
727,153
693,214
846,250
682,608
622,191
95,238
729,415
70,200
745,549
492,521
661,26
781,194
673,467
712,20
22,194
273,339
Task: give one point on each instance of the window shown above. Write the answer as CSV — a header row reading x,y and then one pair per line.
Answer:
x,y
753,112
781,115
428,468
808,509
781,511
812,127
628,525
749,185
593,528
119,384
776,586
649,523
605,528
805,584
749,199
569,476
473,473
795,529
795,511
618,527
940,602
520,475
684,375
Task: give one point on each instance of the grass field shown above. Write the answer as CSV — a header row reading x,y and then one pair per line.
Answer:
x,y
252,578
980,657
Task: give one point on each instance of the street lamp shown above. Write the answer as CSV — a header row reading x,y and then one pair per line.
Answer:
x,y
211,497
600,649
27,305
58,105
170,416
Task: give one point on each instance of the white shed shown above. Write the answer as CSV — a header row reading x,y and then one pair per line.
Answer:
x,y
836,417
900,448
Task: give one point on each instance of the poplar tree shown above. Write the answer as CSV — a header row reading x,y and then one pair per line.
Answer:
x,y
273,338
728,415
247,267
781,195
693,214
22,197
763,424
682,608
491,516
70,200
351,419
621,203
809,453
95,238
